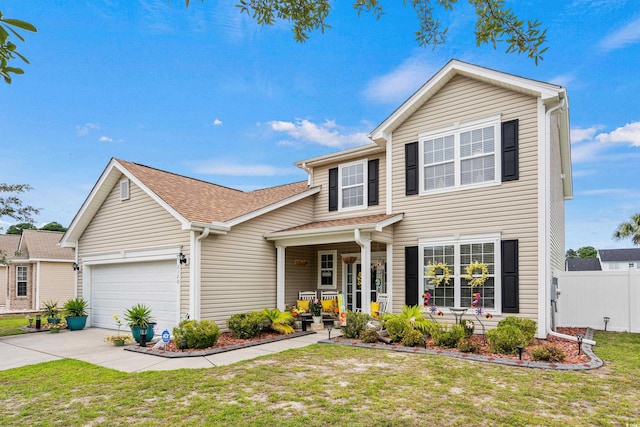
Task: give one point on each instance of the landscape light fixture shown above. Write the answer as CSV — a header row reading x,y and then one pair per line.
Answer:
x,y
606,320
38,321
519,348
329,328
579,337
143,336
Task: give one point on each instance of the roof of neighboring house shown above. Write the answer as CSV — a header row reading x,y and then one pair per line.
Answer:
x,y
9,244
42,244
583,264
619,255
193,202
203,201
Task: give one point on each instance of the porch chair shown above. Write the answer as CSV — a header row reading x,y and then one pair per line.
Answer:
x,y
307,294
329,300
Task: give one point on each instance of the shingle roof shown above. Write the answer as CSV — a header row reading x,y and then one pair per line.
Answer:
x,y
583,264
9,244
42,244
203,201
620,255
360,220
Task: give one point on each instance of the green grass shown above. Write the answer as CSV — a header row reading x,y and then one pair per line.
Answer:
x,y
11,324
325,385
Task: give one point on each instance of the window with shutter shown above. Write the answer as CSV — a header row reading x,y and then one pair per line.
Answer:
x,y
373,184
411,169
510,285
510,151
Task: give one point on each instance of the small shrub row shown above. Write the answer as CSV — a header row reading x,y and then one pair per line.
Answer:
x,y
245,325
196,334
510,333
356,324
548,353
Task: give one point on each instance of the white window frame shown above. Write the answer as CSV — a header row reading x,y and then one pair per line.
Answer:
x,y
365,180
25,281
124,189
456,241
455,130
333,270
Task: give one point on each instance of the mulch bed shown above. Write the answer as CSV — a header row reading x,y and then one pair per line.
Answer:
x,y
569,347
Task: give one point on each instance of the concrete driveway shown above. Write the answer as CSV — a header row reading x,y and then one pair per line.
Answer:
x,y
89,345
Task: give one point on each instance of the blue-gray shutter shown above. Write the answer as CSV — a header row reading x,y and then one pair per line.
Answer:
x,y
373,184
333,189
411,279
411,168
510,151
510,292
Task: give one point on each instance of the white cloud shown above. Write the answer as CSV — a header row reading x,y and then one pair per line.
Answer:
x,y
629,133
580,134
105,139
327,133
562,80
228,168
86,128
400,83
217,122
625,36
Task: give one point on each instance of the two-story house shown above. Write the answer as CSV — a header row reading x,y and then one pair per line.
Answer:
x,y
475,166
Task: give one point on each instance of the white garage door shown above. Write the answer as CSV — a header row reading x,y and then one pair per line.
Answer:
x,y
116,287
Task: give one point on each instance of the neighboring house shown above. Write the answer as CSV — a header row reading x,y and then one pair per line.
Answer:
x,y
583,264
475,165
37,270
8,247
619,259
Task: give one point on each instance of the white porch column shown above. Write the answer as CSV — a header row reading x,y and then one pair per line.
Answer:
x,y
280,257
365,262
389,273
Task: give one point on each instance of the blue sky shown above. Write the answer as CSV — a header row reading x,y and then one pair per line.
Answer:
x,y
205,92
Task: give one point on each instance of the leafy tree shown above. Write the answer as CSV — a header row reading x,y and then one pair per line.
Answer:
x,y
8,48
11,205
494,22
19,228
53,226
571,254
630,229
587,252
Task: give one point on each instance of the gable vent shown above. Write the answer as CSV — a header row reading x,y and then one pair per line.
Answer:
x,y
124,189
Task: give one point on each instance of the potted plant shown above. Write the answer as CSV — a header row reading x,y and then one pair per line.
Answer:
x,y
315,307
52,312
139,317
118,340
76,313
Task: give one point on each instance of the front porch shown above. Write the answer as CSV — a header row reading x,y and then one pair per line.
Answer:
x,y
330,255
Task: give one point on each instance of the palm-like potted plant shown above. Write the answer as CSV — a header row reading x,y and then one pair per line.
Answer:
x,y
76,313
52,312
139,317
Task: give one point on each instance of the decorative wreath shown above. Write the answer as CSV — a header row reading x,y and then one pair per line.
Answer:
x,y
476,274
438,279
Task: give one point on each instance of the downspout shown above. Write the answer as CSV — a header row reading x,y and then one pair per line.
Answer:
x,y
309,172
36,303
195,276
561,105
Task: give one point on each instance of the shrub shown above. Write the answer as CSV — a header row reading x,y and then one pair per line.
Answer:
x,y
196,333
396,327
412,337
528,327
549,353
278,321
245,325
369,335
356,323
449,338
505,338
467,345
414,315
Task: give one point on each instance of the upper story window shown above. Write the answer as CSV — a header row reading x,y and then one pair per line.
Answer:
x,y
353,190
461,156
21,281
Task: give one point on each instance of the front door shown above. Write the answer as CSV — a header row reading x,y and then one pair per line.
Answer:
x,y
353,282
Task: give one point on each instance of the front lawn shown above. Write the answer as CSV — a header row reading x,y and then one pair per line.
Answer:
x,y
325,385
11,324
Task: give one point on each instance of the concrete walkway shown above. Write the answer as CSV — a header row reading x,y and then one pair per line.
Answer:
x,y
89,345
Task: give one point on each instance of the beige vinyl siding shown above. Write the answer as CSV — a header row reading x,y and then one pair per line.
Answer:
x,y
137,223
56,282
557,229
239,268
509,208
321,209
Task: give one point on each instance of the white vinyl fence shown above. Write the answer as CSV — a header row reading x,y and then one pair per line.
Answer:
x,y
586,297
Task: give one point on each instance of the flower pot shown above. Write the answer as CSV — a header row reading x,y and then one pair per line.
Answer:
x,y
53,320
336,324
54,330
297,324
118,343
135,331
76,323
317,320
